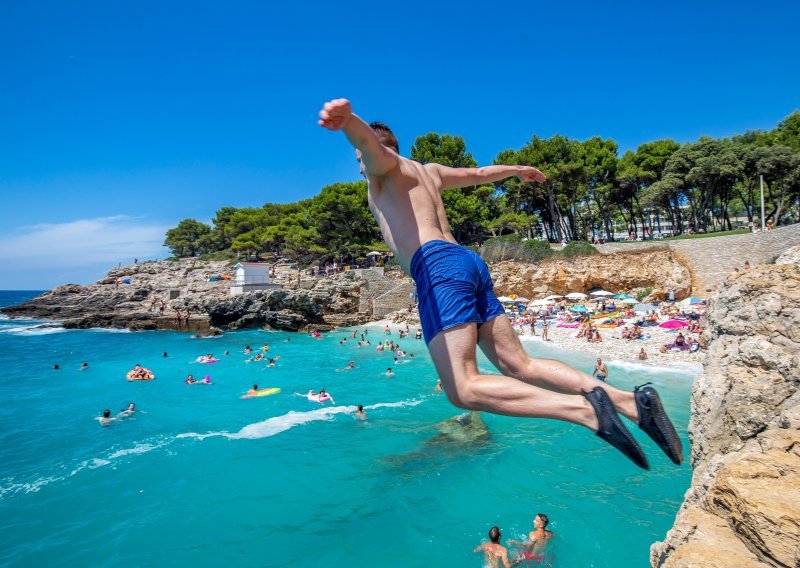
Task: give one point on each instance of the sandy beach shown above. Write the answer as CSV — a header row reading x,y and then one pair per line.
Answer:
x,y
611,349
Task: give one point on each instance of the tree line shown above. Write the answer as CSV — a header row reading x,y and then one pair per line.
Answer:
x,y
591,192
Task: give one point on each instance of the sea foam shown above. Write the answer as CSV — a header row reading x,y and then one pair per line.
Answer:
x,y
278,424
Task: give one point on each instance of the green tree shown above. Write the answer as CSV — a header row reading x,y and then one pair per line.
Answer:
x,y
187,239
468,209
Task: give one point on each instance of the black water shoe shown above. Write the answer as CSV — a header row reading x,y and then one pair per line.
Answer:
x,y
654,421
612,430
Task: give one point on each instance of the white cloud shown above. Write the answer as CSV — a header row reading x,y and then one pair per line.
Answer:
x,y
81,243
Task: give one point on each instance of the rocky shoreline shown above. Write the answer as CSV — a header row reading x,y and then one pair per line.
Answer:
x,y
743,507
149,295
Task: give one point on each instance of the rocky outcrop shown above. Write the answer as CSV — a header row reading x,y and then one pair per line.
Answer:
x,y
132,297
291,310
791,256
743,508
657,270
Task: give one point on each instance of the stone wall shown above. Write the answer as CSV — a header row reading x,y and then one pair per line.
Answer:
x,y
743,507
712,259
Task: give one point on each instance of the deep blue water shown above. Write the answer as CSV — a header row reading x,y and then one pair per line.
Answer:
x,y
199,476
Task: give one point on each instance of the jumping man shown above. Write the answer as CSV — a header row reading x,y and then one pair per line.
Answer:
x,y
458,308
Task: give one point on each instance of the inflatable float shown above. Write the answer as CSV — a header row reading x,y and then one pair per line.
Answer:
x,y
261,392
133,375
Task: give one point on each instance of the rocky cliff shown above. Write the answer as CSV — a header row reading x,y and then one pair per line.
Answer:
x,y
658,270
132,297
743,508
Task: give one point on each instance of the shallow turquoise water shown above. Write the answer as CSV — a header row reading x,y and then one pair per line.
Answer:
x,y
282,480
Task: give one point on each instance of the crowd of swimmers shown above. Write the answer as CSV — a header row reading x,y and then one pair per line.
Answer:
x,y
322,396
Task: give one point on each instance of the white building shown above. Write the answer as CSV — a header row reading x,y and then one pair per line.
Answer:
x,y
251,276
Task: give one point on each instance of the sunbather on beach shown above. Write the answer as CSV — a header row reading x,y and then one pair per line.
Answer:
x,y
457,306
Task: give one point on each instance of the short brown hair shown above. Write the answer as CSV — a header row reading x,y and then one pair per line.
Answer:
x,y
385,135
544,519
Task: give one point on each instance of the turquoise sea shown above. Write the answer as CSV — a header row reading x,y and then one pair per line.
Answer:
x,y
198,476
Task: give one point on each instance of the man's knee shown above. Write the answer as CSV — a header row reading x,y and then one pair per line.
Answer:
x,y
462,394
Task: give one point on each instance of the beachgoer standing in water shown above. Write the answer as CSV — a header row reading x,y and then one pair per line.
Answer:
x,y
458,308
600,370
493,551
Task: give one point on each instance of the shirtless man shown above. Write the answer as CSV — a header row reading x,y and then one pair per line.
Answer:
x,y
537,539
600,370
493,551
458,308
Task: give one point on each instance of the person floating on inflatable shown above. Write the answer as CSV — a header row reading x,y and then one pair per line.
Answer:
x,y
255,392
321,397
190,380
459,310
139,373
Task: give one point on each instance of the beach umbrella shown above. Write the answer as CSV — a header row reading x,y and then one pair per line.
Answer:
x,y
691,301
504,299
374,253
544,302
576,296
644,308
553,297
622,297
673,324
578,309
522,300
628,301
602,293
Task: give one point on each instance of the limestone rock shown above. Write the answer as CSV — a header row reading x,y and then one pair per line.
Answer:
x,y
743,508
657,270
791,256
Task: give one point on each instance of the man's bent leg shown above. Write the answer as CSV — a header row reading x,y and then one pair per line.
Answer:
x,y
453,353
502,346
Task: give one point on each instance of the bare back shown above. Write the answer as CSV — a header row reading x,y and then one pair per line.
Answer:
x,y
496,555
407,203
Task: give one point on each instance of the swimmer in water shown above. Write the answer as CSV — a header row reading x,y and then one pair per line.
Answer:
x,y
247,350
494,553
389,372
190,380
84,366
360,414
56,367
128,411
271,362
106,418
164,354
439,385
537,539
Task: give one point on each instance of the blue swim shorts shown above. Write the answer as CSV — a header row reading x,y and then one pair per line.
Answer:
x,y
454,287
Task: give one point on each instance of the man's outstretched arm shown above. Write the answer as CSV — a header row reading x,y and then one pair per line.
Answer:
x,y
465,177
338,115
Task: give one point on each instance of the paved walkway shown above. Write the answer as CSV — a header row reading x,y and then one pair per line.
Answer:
x,y
712,259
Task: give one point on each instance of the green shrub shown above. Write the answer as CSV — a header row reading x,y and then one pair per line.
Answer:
x,y
579,248
537,250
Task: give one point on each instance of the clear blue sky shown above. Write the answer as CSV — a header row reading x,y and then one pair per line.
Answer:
x,y
118,119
